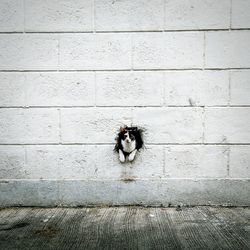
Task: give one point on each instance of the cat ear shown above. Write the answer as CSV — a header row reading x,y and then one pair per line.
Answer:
x,y
122,129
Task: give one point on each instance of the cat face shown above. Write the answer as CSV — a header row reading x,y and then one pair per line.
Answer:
x,y
127,136
129,139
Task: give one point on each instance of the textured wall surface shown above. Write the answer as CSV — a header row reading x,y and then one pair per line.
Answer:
x,y
72,72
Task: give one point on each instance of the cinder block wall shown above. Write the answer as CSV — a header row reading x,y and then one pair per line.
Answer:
x,y
72,72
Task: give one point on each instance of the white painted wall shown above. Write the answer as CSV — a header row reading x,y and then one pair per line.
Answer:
x,y
72,72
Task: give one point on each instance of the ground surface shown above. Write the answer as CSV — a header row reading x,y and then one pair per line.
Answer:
x,y
125,228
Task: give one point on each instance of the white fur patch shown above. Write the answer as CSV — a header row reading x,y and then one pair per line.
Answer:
x,y
128,147
121,156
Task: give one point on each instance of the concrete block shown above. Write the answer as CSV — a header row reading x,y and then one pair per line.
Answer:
x,y
129,88
108,192
195,161
195,15
148,163
11,16
28,193
107,165
47,89
196,88
129,15
61,162
240,14
227,125
42,162
205,191
170,125
78,192
12,162
240,88
29,126
239,161
95,51
155,192
60,89
28,52
92,125
173,50
12,89
58,15
227,49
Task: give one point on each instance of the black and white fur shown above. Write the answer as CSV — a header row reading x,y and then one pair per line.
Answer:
x,y
129,141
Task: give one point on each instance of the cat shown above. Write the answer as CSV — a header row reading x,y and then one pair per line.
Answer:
x,y
129,141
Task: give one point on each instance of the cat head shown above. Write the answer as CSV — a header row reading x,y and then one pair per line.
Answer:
x,y
127,135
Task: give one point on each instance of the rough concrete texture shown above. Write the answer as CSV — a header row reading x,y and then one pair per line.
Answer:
x,y
73,72
125,191
125,228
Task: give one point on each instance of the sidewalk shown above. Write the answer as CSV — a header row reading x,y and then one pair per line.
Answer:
x,y
125,228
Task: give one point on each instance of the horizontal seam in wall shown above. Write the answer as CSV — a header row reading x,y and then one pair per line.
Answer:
x,y
115,107
122,31
123,70
5,181
111,143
